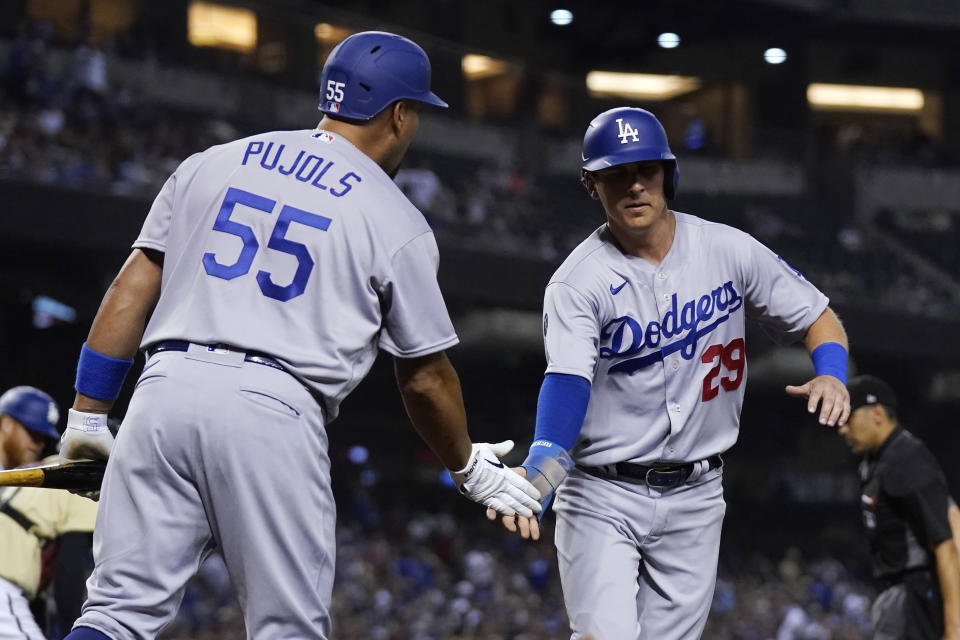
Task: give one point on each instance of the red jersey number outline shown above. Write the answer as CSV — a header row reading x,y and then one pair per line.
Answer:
x,y
730,357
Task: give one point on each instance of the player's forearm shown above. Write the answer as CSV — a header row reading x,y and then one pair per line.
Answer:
x,y
826,328
948,572
119,323
431,394
953,515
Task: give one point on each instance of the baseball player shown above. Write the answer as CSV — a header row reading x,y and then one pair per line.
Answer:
x,y
904,502
31,518
277,264
644,335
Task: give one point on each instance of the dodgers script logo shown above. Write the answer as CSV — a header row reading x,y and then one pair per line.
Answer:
x,y
625,337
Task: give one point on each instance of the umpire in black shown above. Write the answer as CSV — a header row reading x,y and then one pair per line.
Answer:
x,y
904,501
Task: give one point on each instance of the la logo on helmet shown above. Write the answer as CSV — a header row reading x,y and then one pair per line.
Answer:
x,y
626,132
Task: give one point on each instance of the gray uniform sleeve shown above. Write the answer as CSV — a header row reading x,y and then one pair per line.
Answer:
x,y
777,295
571,331
415,318
153,235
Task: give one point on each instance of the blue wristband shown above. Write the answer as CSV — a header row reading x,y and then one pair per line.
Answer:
x,y
830,359
100,376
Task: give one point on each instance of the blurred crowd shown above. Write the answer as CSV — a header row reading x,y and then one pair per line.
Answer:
x,y
65,121
406,575
790,599
73,125
851,263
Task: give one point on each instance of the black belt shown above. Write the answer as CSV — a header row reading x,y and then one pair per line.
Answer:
x,y
892,579
251,356
660,476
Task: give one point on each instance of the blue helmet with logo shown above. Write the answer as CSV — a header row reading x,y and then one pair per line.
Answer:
x,y
371,70
32,408
629,134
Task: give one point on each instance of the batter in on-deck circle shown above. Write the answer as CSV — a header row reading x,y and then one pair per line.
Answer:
x,y
278,265
644,337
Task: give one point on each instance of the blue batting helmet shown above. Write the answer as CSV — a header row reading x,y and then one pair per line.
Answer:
x,y
628,134
32,408
369,71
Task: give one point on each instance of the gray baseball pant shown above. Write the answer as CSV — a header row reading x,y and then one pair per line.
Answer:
x,y
637,563
216,452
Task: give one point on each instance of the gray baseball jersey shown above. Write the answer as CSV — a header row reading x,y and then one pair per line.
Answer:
x,y
296,244
663,346
291,243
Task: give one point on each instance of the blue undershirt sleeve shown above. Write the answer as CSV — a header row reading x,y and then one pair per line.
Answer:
x,y
561,408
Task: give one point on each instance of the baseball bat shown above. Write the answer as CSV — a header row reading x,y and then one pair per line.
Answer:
x,y
76,476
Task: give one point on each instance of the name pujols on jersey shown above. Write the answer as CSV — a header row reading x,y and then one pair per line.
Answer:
x,y
305,166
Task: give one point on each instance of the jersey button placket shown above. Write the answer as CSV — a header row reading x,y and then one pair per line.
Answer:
x,y
675,421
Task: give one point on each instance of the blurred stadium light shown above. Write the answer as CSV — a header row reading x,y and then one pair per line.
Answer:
x,y
862,98
639,86
214,25
775,55
561,17
48,312
476,67
358,454
330,34
668,40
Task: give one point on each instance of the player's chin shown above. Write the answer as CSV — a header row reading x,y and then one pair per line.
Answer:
x,y
634,215
631,210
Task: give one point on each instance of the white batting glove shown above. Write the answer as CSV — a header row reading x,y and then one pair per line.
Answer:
x,y
486,480
87,437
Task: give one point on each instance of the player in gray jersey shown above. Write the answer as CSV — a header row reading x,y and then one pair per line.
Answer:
x,y
278,265
644,335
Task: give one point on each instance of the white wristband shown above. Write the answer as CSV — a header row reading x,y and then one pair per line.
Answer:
x,y
87,422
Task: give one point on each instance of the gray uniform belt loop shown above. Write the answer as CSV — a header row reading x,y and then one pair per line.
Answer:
x,y
251,356
256,357
660,476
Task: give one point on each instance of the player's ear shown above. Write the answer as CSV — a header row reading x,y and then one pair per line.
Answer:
x,y
589,183
402,114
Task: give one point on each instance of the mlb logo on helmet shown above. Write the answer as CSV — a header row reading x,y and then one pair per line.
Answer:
x,y
333,106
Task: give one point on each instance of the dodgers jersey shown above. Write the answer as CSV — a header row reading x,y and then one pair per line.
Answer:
x,y
663,346
296,244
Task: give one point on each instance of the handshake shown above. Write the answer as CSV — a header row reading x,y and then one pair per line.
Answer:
x,y
519,495
488,481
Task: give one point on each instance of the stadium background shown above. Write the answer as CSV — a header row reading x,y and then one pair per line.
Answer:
x,y
101,99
